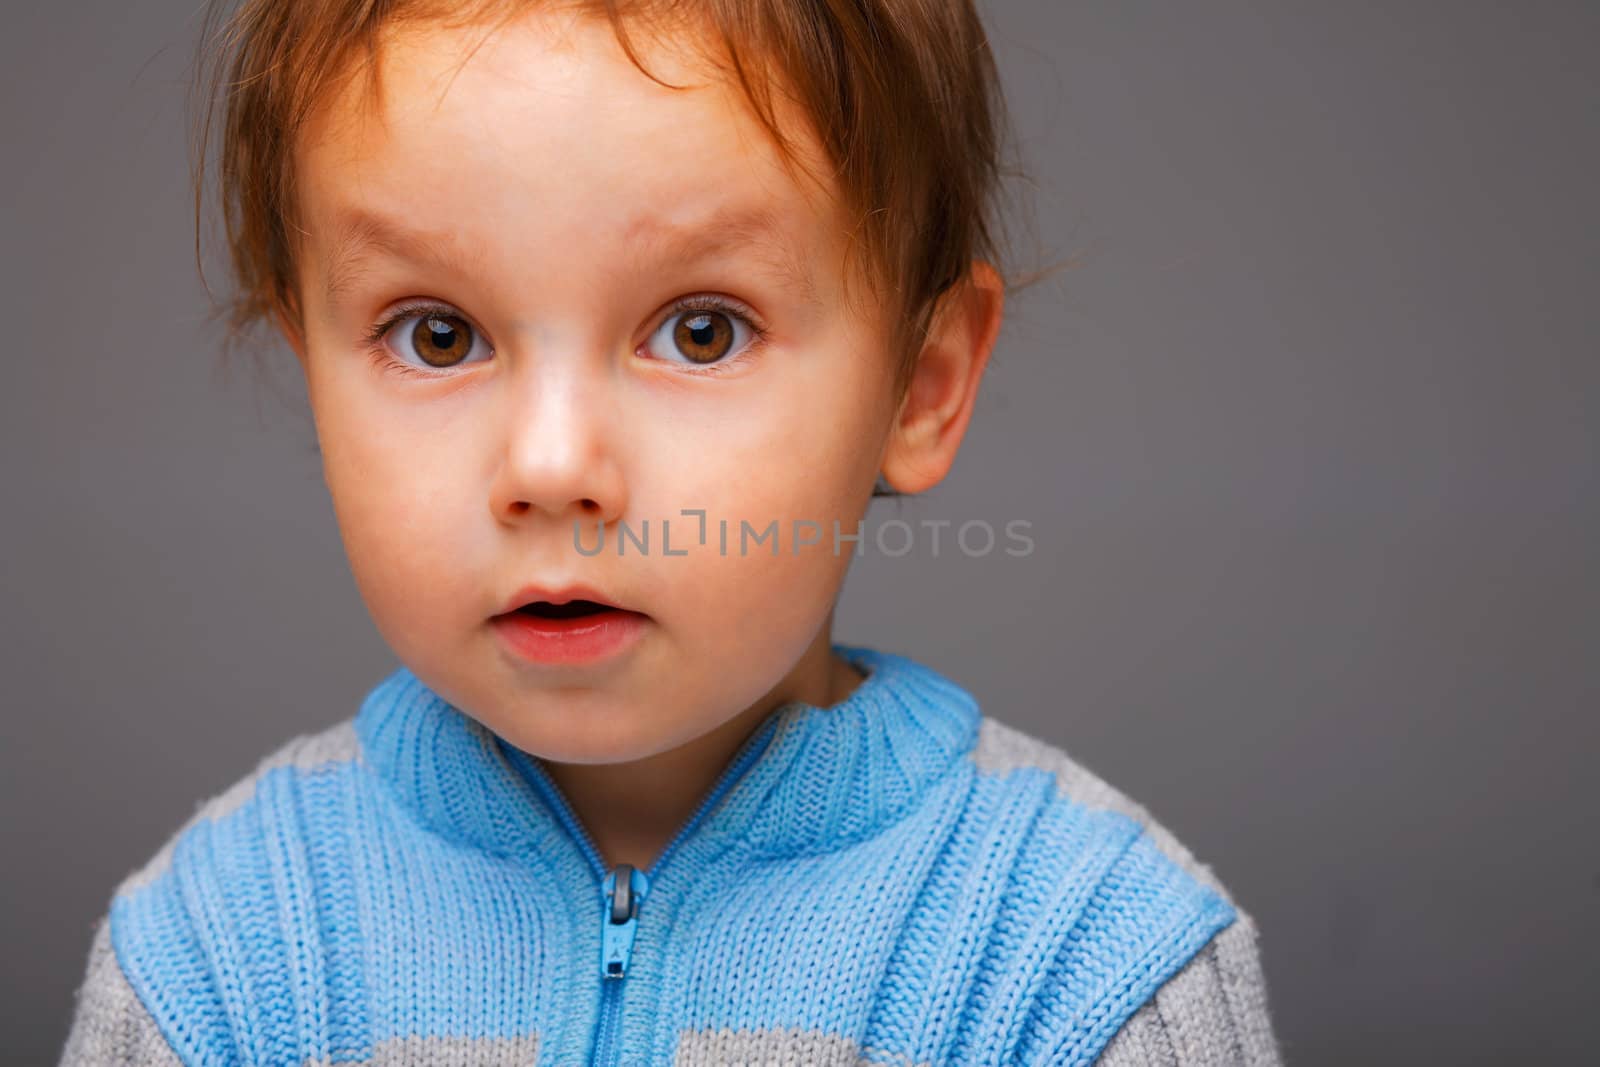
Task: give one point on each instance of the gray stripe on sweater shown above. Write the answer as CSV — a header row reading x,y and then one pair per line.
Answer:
x,y
336,744
722,1048
448,1052
110,1025
1213,1011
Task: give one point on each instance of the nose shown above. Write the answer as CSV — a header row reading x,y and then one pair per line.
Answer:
x,y
560,453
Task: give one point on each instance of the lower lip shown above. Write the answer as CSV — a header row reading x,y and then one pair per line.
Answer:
x,y
586,639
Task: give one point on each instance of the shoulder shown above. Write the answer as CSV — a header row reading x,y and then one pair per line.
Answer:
x,y
333,749
213,925
1185,983
1002,749
110,1025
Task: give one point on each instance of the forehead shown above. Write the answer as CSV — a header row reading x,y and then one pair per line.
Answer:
x,y
545,137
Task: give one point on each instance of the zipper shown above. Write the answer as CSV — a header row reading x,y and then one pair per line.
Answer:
x,y
624,887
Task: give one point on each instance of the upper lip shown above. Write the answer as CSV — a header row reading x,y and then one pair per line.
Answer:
x,y
530,594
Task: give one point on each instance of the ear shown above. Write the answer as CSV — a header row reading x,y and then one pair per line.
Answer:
x,y
933,414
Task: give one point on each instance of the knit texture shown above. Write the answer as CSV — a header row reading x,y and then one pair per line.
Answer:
x,y
897,879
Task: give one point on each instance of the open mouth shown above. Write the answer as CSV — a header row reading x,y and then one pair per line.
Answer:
x,y
572,609
573,632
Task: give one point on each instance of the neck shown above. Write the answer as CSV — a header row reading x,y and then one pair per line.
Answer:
x,y
633,810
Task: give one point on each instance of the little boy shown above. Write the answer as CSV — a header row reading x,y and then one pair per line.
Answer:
x,y
587,297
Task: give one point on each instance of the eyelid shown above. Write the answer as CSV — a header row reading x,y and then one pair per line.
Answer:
x,y
411,309
715,302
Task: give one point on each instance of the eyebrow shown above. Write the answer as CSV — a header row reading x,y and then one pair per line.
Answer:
x,y
362,234
730,228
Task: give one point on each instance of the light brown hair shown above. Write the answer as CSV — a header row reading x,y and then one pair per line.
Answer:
x,y
903,96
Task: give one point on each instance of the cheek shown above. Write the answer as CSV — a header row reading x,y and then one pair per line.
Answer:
x,y
388,496
802,442
736,582
784,474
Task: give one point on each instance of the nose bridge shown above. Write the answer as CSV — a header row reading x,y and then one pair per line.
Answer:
x,y
558,433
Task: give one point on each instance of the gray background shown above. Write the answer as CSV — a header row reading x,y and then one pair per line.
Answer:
x,y
1307,442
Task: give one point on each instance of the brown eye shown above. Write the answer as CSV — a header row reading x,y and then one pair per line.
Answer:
x,y
703,336
705,331
441,340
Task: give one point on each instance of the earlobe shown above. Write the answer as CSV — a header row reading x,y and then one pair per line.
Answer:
x,y
933,416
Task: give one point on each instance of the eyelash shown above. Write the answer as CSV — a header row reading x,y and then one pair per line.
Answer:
x,y
387,361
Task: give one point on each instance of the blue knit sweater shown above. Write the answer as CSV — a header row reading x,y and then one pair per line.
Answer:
x,y
897,879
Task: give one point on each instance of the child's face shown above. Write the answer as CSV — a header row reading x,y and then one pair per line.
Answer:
x,y
557,202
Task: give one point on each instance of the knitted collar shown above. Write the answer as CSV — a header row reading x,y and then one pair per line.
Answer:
x,y
824,777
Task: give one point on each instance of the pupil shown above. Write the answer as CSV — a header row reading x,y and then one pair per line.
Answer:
x,y
440,340
442,335
704,337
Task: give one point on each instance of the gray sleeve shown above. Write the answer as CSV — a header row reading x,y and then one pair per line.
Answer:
x,y
1213,1011
110,1026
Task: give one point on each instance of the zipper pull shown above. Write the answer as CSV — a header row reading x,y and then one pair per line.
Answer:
x,y
622,892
